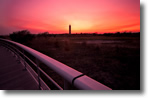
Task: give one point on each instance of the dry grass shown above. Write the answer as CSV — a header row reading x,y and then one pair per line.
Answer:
x,y
116,65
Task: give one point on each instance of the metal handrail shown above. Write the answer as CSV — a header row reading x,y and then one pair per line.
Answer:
x,y
70,75
14,50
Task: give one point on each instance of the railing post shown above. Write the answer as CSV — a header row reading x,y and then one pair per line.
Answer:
x,y
38,72
18,56
67,85
24,59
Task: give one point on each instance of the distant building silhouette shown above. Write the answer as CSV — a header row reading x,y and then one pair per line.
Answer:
x,y
69,29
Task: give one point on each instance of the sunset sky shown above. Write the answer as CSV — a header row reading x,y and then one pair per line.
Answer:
x,y
55,16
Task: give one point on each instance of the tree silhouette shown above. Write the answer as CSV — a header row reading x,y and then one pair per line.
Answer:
x,y
45,34
23,36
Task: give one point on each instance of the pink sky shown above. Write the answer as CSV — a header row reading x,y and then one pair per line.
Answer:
x,y
54,16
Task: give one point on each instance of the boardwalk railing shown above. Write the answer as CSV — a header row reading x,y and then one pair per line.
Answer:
x,y
73,79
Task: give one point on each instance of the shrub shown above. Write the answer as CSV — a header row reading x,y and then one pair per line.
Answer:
x,y
23,36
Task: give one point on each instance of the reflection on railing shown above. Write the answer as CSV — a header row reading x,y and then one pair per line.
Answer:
x,y
73,79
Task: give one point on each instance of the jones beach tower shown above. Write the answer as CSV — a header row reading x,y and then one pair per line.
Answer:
x,y
69,29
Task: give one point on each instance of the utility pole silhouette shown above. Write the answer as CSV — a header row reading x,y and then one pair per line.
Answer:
x,y
69,29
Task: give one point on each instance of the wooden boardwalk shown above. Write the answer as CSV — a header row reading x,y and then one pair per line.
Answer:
x,y
12,75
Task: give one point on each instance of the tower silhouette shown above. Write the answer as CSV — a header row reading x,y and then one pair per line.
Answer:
x,y
69,29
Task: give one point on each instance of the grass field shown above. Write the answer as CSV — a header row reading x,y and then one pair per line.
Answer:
x,y
115,64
